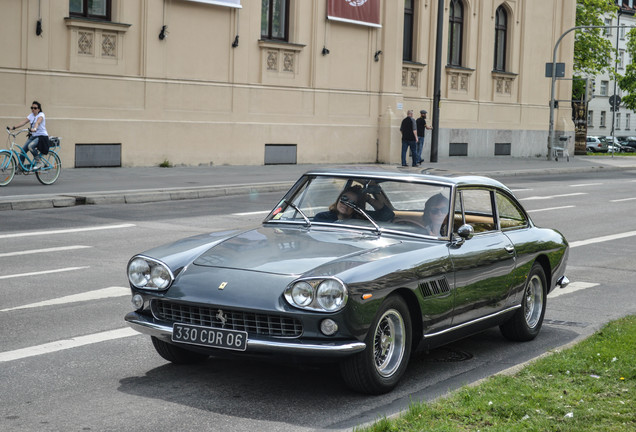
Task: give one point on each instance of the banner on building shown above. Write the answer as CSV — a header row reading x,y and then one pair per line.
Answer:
x,y
364,12
230,3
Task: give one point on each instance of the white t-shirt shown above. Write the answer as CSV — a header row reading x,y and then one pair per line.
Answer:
x,y
41,130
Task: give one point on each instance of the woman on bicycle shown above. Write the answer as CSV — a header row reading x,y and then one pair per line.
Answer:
x,y
37,129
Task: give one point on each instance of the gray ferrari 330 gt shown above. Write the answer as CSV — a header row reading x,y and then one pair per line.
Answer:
x,y
357,267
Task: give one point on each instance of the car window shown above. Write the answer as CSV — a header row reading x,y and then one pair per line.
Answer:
x,y
510,215
474,207
414,207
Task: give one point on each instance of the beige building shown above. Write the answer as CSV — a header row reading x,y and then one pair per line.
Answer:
x,y
139,82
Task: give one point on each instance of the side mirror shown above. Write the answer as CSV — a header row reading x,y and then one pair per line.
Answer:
x,y
466,232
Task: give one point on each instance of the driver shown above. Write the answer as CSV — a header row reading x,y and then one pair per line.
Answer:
x,y
339,211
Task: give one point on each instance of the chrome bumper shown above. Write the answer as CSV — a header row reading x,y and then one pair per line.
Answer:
x,y
563,282
149,326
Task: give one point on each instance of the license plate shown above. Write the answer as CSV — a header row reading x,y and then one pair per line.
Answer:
x,y
209,337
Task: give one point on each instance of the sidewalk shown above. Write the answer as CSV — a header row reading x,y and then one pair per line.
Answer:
x,y
91,186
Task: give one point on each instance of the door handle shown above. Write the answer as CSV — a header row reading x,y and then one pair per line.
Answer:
x,y
510,249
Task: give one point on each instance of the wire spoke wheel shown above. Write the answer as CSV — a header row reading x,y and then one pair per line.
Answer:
x,y
49,173
533,299
389,343
7,168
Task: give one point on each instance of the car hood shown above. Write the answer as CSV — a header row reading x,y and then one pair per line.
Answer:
x,y
294,251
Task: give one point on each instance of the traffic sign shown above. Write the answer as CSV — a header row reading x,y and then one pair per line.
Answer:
x,y
614,101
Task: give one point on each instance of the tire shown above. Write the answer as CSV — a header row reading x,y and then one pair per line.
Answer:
x,y
175,354
526,323
7,167
380,366
51,170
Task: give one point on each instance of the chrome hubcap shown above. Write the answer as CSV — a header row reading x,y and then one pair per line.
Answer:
x,y
533,301
389,343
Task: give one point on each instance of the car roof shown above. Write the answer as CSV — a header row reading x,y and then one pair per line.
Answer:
x,y
450,179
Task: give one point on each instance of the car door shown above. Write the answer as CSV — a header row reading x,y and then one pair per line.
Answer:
x,y
483,264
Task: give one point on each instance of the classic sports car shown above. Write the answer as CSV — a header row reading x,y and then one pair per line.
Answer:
x,y
361,268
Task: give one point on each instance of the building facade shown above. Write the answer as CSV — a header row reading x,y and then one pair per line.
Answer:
x,y
601,119
250,82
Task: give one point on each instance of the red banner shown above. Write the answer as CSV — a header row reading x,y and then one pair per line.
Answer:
x,y
365,12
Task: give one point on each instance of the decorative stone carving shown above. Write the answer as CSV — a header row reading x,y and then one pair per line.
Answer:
x,y
85,42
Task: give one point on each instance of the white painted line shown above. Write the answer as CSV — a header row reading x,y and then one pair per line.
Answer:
x,y
552,196
573,287
586,184
75,298
602,239
65,231
43,272
35,251
251,213
66,344
520,190
548,209
624,199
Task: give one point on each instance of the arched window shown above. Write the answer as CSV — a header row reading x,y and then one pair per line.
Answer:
x,y
455,32
501,35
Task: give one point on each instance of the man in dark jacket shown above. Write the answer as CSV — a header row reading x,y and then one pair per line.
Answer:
x,y
421,131
409,138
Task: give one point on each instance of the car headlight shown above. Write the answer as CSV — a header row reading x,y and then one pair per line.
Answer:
x,y
148,273
322,295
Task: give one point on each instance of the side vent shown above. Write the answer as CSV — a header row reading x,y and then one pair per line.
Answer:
x,y
434,287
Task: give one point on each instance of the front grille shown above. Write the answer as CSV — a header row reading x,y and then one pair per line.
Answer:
x,y
254,323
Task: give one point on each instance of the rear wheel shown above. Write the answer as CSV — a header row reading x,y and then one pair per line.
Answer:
x,y
49,173
7,168
380,366
526,323
176,354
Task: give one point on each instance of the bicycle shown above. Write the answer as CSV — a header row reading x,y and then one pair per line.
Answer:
x,y
16,160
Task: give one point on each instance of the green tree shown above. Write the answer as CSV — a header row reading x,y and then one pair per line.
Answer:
x,y
592,51
627,82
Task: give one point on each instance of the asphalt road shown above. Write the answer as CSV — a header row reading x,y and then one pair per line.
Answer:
x,y
69,363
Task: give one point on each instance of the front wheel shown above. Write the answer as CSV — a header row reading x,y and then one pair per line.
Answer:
x,y
49,173
526,323
380,366
7,167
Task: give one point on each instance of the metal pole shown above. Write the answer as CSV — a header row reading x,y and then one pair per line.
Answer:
x,y
437,80
614,106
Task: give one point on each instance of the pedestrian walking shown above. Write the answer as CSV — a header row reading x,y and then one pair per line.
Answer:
x,y
421,131
409,137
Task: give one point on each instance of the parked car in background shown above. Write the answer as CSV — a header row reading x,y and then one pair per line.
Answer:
x,y
360,268
629,146
596,145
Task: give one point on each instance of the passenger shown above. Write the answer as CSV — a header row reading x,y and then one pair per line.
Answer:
x,y
355,194
435,215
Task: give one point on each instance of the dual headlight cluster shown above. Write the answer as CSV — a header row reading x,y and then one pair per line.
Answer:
x,y
150,274
324,295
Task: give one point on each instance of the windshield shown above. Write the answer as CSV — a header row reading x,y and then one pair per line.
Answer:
x,y
376,204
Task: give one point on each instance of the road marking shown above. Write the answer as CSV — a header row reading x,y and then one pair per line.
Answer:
x,y
602,239
65,231
624,199
552,196
66,344
35,251
573,287
43,272
548,209
520,190
109,292
586,184
251,213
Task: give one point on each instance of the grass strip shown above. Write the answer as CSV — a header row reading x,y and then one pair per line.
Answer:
x,y
588,387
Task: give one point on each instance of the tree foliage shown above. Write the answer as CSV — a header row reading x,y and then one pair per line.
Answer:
x,y
592,51
627,82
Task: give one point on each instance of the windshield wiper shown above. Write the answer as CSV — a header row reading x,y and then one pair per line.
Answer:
x,y
345,200
295,207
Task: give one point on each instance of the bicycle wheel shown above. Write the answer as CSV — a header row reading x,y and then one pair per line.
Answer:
x,y
51,169
7,167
